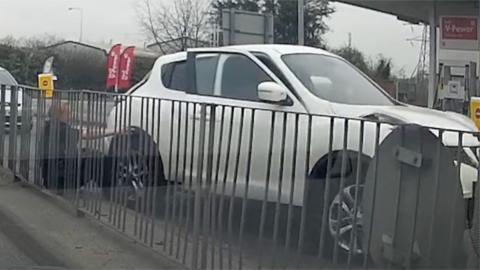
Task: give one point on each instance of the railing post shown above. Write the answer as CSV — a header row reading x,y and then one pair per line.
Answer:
x,y
25,136
2,124
207,188
197,210
39,143
12,147
79,154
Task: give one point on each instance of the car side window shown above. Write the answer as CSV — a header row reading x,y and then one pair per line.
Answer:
x,y
206,69
174,76
240,78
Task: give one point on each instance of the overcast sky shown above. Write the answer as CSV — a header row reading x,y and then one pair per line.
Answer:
x,y
115,20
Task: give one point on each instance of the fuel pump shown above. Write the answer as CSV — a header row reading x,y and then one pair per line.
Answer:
x,y
457,84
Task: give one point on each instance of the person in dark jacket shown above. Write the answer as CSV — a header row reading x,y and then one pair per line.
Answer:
x,y
60,150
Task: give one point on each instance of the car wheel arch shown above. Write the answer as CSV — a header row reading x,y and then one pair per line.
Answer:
x,y
138,133
319,169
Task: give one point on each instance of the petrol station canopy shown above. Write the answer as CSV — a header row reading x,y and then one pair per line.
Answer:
x,y
428,12
416,11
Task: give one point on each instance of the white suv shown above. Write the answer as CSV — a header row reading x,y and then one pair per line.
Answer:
x,y
267,79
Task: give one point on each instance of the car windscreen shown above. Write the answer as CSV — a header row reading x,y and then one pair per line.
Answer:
x,y
333,79
6,78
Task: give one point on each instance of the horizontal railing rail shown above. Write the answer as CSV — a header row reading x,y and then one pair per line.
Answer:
x,y
217,185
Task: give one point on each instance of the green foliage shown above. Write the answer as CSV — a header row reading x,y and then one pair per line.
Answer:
x,y
286,22
75,69
286,17
316,11
23,63
23,57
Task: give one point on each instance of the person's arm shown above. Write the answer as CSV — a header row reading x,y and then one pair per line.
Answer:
x,y
96,134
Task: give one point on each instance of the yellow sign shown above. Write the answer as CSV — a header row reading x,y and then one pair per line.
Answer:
x,y
46,83
475,110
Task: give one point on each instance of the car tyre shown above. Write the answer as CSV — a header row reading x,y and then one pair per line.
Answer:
x,y
134,173
340,206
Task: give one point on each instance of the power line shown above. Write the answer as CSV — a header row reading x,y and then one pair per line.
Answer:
x,y
422,57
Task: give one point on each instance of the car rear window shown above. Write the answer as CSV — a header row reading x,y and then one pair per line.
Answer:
x,y
173,76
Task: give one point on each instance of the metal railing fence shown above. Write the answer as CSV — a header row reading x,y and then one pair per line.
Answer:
x,y
223,186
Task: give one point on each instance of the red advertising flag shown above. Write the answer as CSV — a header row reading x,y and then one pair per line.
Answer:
x,y
459,28
127,65
113,66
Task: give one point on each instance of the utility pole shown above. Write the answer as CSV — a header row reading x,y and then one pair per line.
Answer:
x,y
350,40
301,22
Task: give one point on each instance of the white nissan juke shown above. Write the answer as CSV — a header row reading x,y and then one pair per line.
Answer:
x,y
281,78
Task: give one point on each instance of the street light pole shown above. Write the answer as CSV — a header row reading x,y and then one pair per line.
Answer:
x,y
301,22
81,20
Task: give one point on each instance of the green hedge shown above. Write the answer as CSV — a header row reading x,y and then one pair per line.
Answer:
x,y
74,70
24,64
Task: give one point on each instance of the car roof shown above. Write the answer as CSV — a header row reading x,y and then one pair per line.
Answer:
x,y
280,48
262,48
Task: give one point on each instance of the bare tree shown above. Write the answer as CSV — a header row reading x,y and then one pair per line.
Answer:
x,y
175,26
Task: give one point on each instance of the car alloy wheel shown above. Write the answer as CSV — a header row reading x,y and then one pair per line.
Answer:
x,y
342,221
132,174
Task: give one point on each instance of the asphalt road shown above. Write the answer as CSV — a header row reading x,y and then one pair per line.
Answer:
x,y
36,234
11,256
41,231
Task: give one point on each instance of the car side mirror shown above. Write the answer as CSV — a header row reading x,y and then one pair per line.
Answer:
x,y
272,92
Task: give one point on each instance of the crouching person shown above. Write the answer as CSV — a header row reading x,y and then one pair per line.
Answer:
x,y
68,166
60,150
